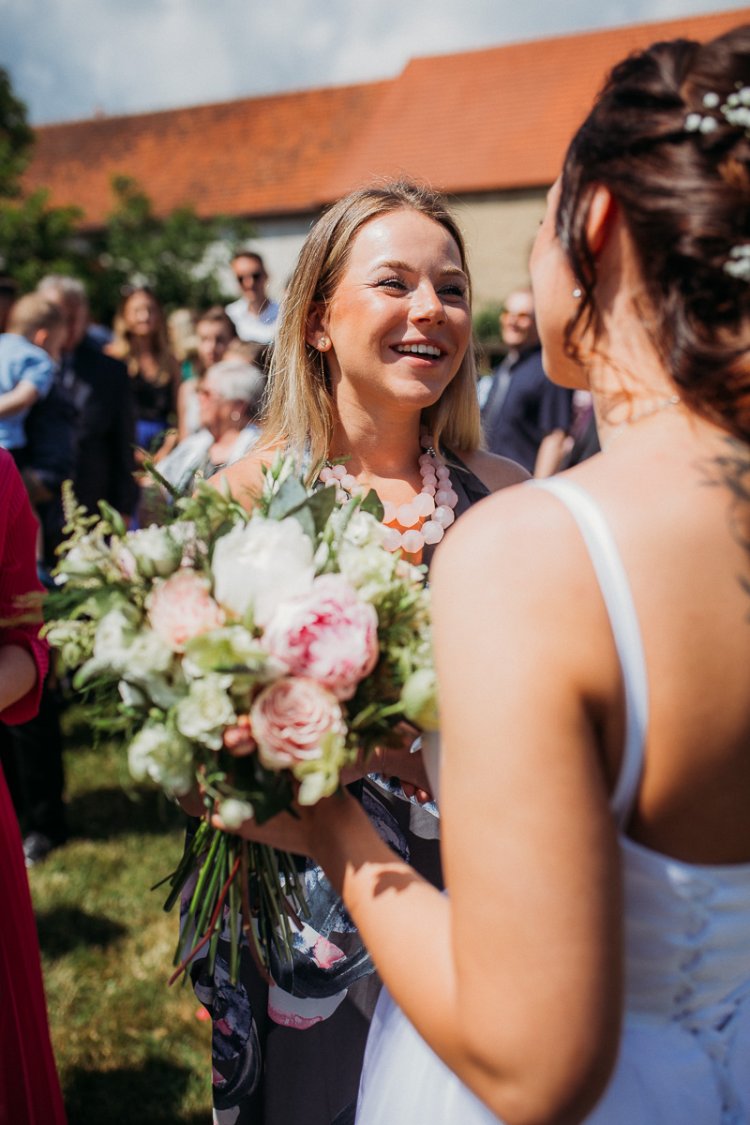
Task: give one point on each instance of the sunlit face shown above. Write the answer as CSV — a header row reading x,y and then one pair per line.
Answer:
x,y
140,314
399,321
213,409
517,323
251,276
213,338
553,283
76,315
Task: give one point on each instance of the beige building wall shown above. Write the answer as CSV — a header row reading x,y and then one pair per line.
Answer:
x,y
499,229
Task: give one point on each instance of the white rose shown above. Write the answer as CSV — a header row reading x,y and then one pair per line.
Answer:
x,y
203,714
88,558
155,551
162,755
261,564
234,812
363,529
146,655
369,569
113,637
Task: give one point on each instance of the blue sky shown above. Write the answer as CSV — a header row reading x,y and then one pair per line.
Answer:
x,y
69,59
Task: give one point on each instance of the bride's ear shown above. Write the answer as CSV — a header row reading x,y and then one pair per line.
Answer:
x,y
316,327
602,214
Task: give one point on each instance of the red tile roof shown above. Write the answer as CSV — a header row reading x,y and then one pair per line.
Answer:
x,y
473,122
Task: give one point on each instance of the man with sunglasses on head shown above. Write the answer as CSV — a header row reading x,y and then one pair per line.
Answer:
x,y
254,314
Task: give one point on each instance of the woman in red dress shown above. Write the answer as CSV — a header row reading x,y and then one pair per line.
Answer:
x,y
29,1087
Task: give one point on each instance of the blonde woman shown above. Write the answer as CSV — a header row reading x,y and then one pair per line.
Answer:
x,y
373,365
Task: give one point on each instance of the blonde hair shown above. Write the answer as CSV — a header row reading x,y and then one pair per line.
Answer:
x,y
300,410
33,312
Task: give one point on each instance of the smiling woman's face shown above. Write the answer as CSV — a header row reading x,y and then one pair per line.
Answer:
x,y
399,321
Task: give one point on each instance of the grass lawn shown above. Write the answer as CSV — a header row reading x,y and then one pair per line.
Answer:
x,y
129,1048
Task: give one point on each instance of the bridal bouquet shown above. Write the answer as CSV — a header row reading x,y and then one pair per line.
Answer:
x,y
292,626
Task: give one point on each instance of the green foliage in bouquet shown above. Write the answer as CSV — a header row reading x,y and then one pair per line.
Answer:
x,y
291,624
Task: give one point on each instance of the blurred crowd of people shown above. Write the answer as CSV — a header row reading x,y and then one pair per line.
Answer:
x,y
95,404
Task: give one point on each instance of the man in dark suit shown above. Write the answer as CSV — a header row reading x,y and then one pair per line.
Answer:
x,y
522,406
83,430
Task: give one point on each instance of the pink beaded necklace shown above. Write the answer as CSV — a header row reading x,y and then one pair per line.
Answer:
x,y
433,506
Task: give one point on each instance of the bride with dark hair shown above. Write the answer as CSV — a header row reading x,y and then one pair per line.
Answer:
x,y
591,958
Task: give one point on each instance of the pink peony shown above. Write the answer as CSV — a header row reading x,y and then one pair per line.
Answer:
x,y
290,718
181,607
328,634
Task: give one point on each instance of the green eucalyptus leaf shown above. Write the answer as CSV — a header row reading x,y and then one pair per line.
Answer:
x,y
321,504
373,504
290,496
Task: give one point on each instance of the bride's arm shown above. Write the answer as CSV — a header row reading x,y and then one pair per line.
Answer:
x,y
514,978
527,669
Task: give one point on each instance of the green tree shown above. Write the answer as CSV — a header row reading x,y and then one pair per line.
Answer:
x,y
34,238
16,138
176,256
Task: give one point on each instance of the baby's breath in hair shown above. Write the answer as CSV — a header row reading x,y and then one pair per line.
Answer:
x,y
735,111
738,262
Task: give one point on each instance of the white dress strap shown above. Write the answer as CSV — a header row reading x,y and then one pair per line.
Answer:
x,y
615,588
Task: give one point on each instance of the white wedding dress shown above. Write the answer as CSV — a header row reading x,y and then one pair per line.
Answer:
x,y
685,1051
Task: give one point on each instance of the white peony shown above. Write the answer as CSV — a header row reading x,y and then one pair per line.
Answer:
x,y
261,564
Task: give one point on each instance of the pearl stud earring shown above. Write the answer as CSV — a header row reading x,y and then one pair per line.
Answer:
x,y
323,344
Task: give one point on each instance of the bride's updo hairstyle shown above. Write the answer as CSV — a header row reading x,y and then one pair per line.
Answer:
x,y
669,136
300,409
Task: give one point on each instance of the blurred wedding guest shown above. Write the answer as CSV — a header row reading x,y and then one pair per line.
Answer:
x,y
83,430
29,352
522,406
561,450
229,401
181,337
29,1087
214,332
141,342
254,314
8,294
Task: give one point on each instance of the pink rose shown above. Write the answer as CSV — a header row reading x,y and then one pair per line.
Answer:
x,y
326,633
290,718
181,607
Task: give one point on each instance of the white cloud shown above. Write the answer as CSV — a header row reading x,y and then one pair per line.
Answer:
x,y
66,59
